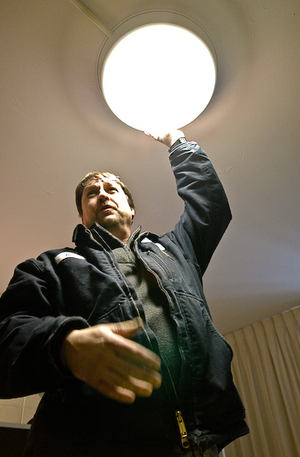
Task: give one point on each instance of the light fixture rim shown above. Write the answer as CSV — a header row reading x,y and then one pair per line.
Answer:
x,y
139,22
144,19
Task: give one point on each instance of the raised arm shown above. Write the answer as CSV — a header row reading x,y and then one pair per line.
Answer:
x,y
206,213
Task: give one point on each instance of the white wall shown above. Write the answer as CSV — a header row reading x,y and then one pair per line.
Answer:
x,y
18,410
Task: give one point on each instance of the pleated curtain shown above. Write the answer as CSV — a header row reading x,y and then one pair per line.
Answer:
x,y
266,371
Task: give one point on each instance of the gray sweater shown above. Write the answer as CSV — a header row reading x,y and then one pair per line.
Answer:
x,y
154,301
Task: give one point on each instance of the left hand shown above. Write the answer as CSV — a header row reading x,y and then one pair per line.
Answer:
x,y
168,138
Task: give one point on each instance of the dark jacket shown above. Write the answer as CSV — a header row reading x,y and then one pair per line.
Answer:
x,y
76,288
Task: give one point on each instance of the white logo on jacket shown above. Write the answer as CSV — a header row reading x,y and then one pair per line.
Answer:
x,y
66,255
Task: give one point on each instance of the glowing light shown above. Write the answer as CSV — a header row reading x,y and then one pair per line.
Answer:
x,y
159,76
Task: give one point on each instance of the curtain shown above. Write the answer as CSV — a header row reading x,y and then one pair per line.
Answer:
x,y
266,371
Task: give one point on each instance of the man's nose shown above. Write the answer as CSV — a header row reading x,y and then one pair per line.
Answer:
x,y
103,195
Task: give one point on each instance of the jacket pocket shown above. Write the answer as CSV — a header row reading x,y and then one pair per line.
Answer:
x,y
115,313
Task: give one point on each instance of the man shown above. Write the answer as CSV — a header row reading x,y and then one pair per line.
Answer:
x,y
117,331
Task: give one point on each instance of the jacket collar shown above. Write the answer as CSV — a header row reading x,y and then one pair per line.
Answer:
x,y
90,236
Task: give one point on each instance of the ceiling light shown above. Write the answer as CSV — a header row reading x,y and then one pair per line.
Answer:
x,y
158,77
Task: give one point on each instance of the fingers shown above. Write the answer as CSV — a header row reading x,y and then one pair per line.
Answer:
x,y
158,136
121,378
127,328
136,355
130,359
139,374
116,393
131,350
124,389
104,357
167,138
134,370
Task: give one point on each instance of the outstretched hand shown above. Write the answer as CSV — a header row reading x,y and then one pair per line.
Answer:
x,y
104,357
168,138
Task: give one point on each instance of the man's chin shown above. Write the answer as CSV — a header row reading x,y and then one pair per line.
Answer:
x,y
113,221
108,221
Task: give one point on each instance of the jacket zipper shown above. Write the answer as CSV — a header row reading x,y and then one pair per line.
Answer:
x,y
180,422
178,414
182,430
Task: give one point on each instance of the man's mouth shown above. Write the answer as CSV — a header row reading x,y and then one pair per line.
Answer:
x,y
107,207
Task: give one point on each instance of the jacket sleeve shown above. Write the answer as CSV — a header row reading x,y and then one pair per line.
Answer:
x,y
206,213
31,333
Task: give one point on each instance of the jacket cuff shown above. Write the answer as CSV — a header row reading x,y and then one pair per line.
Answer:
x,y
180,140
72,323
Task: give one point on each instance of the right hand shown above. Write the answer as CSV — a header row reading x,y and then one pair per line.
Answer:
x,y
104,357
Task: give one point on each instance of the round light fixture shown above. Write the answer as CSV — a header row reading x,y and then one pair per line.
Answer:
x,y
158,77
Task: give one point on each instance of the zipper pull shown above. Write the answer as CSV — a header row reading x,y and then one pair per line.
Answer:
x,y
182,430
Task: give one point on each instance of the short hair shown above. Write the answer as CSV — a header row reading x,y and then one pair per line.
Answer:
x,y
95,176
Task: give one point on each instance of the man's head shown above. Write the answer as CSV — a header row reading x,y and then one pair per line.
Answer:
x,y
102,197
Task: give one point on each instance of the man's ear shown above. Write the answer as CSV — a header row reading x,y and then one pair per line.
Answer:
x,y
132,213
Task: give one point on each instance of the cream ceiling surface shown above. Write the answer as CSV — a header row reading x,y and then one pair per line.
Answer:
x,y
55,127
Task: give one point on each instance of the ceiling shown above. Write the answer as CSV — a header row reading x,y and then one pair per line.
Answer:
x,y
55,127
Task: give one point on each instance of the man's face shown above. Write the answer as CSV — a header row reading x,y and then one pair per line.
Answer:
x,y
105,202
